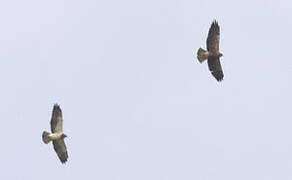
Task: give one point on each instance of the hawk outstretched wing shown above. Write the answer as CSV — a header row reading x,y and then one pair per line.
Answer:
x,y
57,120
213,47
61,150
57,127
213,38
215,68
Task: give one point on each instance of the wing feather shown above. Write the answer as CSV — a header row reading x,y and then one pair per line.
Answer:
x,y
56,120
61,150
213,38
215,68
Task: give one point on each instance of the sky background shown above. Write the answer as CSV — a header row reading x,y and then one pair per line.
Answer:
x,y
137,105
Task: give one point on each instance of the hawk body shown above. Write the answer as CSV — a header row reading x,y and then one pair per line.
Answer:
x,y
57,135
212,54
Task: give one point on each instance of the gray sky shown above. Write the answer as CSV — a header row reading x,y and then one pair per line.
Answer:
x,y
137,105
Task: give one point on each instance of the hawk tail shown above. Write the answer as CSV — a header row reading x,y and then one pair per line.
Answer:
x,y
46,138
202,55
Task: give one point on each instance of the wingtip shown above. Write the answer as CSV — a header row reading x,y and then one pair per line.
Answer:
x,y
57,107
63,158
63,161
215,23
218,75
219,80
215,28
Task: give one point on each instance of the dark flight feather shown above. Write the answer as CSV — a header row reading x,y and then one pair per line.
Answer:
x,y
215,68
213,47
56,120
61,150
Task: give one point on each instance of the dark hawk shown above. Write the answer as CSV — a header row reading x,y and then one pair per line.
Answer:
x,y
212,54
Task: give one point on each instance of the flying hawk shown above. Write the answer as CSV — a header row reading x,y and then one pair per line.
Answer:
x,y
212,54
57,135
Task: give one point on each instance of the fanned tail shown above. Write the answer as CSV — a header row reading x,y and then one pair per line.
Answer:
x,y
46,138
202,55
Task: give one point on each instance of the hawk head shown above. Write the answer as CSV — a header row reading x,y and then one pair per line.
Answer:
x,y
63,136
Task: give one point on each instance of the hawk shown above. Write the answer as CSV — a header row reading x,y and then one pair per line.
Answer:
x,y
212,54
57,135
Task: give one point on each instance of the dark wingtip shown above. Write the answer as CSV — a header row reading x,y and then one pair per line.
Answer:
x,y
56,107
63,159
215,26
219,79
218,75
215,22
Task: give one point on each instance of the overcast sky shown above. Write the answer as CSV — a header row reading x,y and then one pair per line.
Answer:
x,y
137,105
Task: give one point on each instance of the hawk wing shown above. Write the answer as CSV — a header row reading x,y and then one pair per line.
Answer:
x,y
57,120
213,47
61,150
213,38
215,67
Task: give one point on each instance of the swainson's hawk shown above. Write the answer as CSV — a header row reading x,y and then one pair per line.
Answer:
x,y
212,54
57,135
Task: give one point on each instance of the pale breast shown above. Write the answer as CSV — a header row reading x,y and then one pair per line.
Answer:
x,y
55,136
